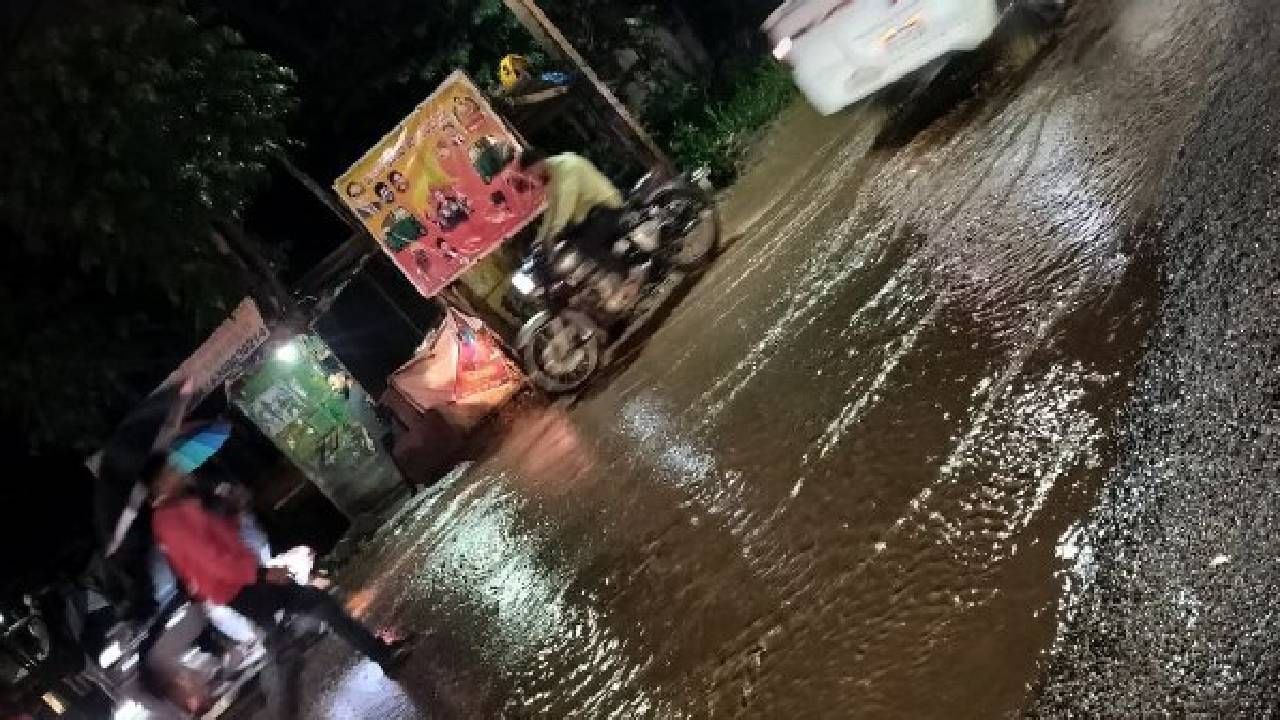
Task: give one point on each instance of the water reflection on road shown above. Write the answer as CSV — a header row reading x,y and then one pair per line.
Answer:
x,y
837,482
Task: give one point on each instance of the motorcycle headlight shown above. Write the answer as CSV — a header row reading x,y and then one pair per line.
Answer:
x,y
567,263
131,710
55,703
110,655
647,236
524,283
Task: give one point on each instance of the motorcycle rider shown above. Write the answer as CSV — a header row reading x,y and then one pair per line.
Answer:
x,y
209,555
584,208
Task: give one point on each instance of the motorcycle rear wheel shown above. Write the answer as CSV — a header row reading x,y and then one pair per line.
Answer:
x,y
697,237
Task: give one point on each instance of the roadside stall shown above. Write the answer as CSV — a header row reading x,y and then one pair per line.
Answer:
x,y
461,372
458,378
442,193
301,399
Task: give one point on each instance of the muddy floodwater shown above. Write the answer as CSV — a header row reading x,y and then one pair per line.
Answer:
x,y
877,461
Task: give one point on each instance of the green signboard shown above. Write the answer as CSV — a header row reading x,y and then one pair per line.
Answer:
x,y
305,401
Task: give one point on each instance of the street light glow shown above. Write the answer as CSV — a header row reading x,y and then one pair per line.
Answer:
x,y
783,49
289,353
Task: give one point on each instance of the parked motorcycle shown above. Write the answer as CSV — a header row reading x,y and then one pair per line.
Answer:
x,y
575,311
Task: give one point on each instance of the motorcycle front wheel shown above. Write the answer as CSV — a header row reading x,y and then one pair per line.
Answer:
x,y
564,353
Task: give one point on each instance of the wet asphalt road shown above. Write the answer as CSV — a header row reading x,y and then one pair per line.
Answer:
x,y
975,419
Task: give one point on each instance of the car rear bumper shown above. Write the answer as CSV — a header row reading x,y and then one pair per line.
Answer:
x,y
891,51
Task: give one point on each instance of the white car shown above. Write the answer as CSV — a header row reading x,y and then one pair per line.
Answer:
x,y
842,51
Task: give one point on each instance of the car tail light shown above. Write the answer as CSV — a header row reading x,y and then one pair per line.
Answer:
x,y
783,49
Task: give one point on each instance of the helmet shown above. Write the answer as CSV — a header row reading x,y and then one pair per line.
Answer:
x,y
512,70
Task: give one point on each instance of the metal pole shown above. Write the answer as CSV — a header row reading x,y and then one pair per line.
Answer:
x,y
546,33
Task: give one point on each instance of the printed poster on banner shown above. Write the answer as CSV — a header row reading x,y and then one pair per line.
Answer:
x,y
444,189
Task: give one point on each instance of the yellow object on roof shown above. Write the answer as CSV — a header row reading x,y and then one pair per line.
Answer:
x,y
512,70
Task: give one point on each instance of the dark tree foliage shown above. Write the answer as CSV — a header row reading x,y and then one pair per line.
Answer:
x,y
124,134
730,29
725,32
363,66
698,73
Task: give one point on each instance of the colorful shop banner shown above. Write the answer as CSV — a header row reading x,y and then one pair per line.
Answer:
x,y
444,189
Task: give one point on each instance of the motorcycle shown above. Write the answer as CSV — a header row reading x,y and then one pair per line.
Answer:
x,y
187,660
25,642
41,666
576,313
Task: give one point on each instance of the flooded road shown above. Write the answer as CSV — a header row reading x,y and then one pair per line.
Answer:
x,y
886,460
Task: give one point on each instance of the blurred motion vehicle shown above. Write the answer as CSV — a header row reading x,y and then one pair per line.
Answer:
x,y
841,51
69,654
191,659
574,312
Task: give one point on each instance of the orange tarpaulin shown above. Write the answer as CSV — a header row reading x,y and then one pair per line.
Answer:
x,y
461,372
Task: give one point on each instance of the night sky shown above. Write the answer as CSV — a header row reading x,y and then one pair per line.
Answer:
x,y
46,524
